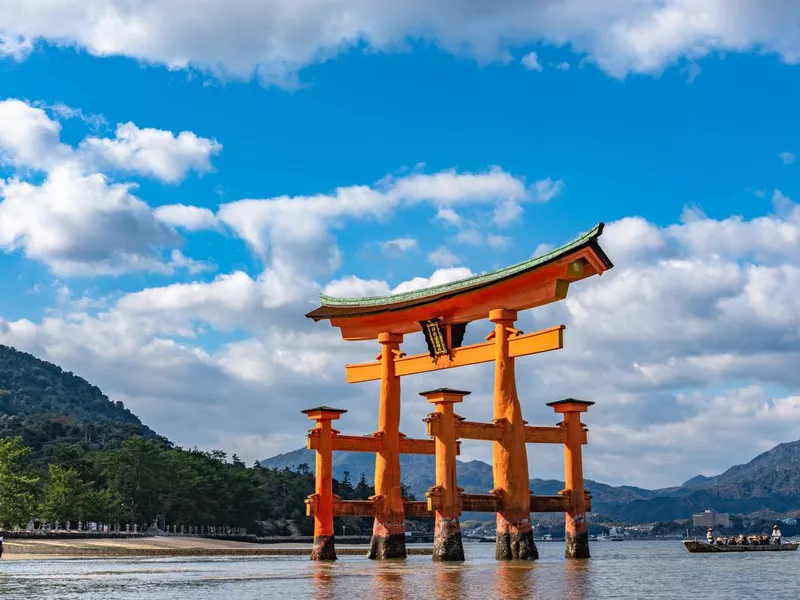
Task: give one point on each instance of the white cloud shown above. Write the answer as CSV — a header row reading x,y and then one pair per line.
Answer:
x,y
29,138
443,257
152,152
63,111
276,38
531,62
787,157
448,215
438,277
77,220
563,66
15,47
355,287
399,246
473,237
292,231
81,224
190,218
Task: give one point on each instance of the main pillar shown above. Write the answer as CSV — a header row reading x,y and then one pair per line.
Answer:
x,y
323,548
389,530
443,498
576,534
509,456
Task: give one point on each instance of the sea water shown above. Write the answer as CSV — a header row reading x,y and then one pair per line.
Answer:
x,y
630,569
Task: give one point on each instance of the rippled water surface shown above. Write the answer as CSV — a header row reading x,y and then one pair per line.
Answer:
x,y
616,570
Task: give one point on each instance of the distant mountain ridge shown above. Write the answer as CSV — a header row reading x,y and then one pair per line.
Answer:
x,y
48,406
771,481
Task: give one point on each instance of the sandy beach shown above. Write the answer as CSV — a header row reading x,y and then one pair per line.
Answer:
x,y
162,546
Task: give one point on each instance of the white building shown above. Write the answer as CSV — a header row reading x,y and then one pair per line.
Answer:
x,y
710,518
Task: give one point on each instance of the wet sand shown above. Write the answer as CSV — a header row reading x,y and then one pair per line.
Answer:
x,y
162,546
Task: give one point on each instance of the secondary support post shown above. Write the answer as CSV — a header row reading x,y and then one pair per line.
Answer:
x,y
389,529
576,534
324,548
509,456
443,497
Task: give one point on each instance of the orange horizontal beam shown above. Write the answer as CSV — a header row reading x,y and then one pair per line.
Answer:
x,y
471,430
369,508
522,345
468,503
368,443
550,435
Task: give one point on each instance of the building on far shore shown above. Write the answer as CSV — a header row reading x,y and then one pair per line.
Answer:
x,y
710,518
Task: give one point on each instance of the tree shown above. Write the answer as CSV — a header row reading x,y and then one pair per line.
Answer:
x,y
363,490
17,483
65,495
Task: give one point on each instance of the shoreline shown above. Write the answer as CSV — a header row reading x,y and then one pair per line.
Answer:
x,y
162,547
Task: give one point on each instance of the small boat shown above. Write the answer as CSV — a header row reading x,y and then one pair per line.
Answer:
x,y
696,546
604,537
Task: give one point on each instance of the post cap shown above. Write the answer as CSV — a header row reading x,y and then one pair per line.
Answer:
x,y
444,395
445,390
316,413
579,405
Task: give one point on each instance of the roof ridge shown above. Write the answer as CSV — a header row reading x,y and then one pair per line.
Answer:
x,y
582,239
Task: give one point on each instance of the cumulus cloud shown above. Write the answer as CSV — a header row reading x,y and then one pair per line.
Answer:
x,y
152,152
16,47
531,62
190,218
291,231
79,221
399,247
787,157
81,224
439,276
276,38
443,257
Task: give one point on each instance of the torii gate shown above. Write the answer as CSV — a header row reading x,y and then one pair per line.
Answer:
x,y
442,313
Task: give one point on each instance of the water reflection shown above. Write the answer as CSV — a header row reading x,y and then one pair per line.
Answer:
x,y
515,579
448,581
389,579
577,581
323,574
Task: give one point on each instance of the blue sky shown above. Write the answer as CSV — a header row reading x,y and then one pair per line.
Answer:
x,y
681,135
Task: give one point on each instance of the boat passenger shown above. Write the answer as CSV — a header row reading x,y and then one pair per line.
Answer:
x,y
1,547
776,535
720,541
710,535
741,540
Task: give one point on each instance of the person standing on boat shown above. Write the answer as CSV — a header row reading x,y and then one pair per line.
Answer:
x,y
776,535
710,535
1,547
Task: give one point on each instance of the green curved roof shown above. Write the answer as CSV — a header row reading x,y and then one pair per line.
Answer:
x,y
476,280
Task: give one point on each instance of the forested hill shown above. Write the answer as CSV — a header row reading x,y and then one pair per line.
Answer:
x,y
47,407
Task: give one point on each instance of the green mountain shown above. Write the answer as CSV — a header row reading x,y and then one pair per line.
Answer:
x,y
48,406
770,482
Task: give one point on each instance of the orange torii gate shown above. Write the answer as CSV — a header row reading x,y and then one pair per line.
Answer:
x,y
442,312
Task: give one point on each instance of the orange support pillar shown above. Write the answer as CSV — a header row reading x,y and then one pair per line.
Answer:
x,y
323,548
509,456
576,533
389,530
443,497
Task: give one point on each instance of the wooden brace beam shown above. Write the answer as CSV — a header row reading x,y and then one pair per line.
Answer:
x,y
472,430
521,345
368,443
